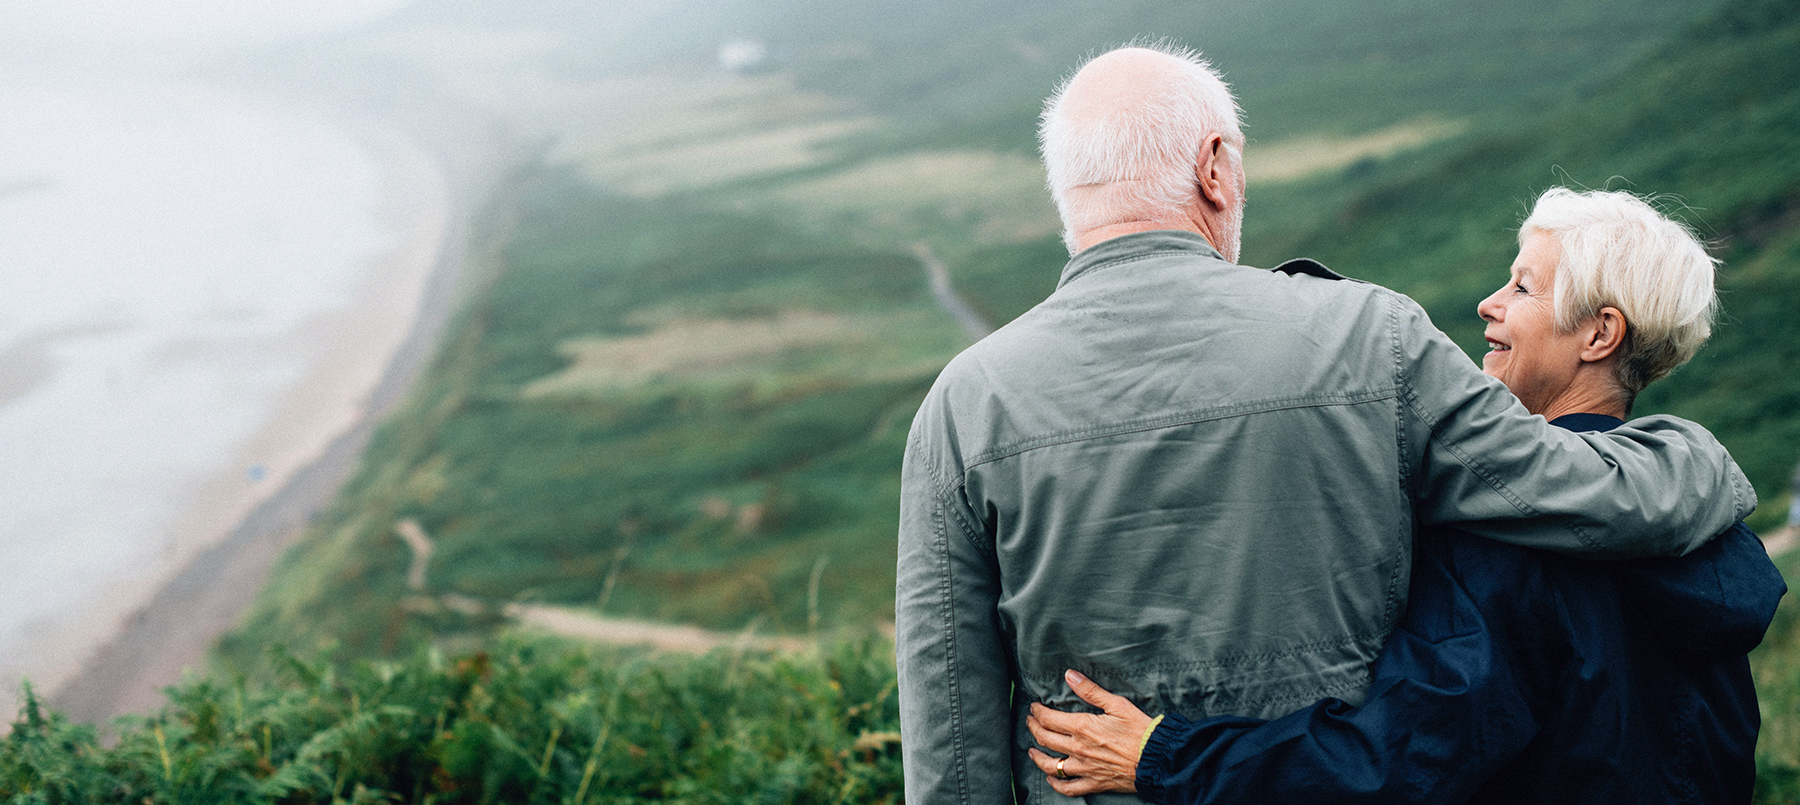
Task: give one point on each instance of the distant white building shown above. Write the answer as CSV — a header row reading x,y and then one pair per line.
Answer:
x,y
739,55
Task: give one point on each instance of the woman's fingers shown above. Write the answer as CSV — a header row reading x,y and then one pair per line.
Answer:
x,y
1052,740
1091,692
1076,784
1100,751
1059,721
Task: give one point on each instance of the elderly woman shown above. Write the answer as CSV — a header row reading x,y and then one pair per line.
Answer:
x,y
1517,675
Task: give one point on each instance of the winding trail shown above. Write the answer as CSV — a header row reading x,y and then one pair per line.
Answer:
x,y
666,637
947,298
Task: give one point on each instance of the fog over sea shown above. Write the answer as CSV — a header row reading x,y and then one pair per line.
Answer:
x,y
168,251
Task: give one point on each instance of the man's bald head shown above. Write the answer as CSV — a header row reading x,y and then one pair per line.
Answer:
x,y
1122,136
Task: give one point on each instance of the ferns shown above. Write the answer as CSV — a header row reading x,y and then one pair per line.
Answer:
x,y
533,722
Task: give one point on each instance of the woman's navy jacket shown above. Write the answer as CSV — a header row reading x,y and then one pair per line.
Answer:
x,y
1519,675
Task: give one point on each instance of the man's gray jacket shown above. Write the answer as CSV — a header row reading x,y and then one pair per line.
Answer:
x,y
1198,484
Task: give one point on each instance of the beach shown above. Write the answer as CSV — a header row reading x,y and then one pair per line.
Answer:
x,y
128,563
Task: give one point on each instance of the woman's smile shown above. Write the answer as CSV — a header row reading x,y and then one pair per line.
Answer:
x,y
1525,349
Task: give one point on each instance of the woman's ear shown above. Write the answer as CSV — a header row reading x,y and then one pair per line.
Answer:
x,y
1606,333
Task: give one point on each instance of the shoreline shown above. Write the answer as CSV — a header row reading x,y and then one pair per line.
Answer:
x,y
142,635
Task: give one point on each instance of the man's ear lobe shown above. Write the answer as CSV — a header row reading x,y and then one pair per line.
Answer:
x,y
1607,336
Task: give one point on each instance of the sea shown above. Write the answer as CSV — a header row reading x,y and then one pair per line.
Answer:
x,y
167,246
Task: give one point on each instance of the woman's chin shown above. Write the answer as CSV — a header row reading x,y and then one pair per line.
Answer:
x,y
1492,364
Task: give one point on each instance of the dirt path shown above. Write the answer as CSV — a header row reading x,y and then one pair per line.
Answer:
x,y
972,322
1782,540
660,636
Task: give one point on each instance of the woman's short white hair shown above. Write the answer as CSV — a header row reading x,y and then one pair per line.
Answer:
x,y
1143,152
1619,251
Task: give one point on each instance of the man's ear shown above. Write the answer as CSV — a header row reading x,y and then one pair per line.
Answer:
x,y
1605,334
1212,170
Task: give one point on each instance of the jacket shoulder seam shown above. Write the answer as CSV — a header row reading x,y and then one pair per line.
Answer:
x,y
943,495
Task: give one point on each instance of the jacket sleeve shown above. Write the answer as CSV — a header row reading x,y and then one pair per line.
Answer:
x,y
1451,703
954,672
1656,486
1329,752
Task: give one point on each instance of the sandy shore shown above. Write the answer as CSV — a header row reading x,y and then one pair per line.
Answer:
x,y
144,633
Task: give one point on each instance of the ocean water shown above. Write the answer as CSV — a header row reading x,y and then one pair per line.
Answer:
x,y
164,246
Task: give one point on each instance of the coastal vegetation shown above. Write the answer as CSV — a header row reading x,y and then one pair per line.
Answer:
x,y
684,395
526,723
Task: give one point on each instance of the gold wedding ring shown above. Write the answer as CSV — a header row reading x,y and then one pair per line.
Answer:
x,y
1059,769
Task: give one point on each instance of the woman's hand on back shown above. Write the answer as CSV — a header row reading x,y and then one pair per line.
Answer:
x,y
1100,750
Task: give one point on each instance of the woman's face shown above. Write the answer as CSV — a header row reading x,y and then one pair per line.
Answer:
x,y
1524,349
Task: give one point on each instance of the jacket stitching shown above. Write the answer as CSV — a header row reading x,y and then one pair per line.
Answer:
x,y
947,616
1231,661
1358,680
1179,419
1407,525
944,492
1481,471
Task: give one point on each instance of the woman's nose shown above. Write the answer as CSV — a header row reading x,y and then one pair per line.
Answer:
x,y
1490,309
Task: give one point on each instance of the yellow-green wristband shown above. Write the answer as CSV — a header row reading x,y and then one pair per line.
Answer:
x,y
1145,741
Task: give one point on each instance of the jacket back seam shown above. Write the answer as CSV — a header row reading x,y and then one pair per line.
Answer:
x,y
1178,419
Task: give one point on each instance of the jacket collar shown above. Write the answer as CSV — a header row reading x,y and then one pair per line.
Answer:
x,y
1136,246
1139,245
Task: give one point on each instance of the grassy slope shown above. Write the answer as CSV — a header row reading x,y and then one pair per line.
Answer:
x,y
537,497
712,497
1714,119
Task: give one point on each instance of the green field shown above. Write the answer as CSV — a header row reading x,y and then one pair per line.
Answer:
x,y
684,395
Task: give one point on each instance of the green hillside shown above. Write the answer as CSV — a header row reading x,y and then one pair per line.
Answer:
x,y
683,398
684,395
1710,122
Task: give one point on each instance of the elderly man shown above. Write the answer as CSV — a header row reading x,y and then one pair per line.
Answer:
x,y
1227,463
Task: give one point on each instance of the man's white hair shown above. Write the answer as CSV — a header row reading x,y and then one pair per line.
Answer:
x,y
1137,159
1619,251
